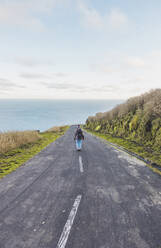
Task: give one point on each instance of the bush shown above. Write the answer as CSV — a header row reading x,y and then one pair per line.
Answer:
x,y
138,119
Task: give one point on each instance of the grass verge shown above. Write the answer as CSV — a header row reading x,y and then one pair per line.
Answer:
x,y
154,157
13,159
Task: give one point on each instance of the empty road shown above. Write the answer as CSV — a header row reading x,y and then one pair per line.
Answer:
x,y
97,198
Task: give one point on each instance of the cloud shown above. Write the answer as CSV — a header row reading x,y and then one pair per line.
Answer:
x,y
91,18
103,68
135,62
55,85
6,84
117,19
104,88
120,63
32,62
68,87
63,86
19,14
133,81
25,13
79,88
33,76
60,74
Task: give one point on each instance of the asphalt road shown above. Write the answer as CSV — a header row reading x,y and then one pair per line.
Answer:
x,y
97,198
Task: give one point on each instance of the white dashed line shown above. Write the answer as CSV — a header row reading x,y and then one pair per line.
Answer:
x,y
66,231
81,164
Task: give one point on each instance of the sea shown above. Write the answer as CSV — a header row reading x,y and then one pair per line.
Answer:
x,y
18,115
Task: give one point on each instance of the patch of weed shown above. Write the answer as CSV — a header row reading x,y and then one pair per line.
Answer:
x,y
152,156
13,159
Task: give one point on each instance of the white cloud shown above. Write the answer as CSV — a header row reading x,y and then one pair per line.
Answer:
x,y
33,76
70,87
106,68
135,62
117,19
6,84
79,88
25,13
32,62
60,74
17,13
91,18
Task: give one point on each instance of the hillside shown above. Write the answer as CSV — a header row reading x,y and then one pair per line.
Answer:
x,y
137,120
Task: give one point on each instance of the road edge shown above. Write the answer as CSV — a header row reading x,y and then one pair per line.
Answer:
x,y
155,168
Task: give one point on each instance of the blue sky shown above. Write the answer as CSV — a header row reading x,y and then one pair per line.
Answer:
x,y
79,49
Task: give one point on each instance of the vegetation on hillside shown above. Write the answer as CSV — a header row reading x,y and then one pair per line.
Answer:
x,y
138,120
18,147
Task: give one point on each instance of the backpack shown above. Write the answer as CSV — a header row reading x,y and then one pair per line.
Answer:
x,y
79,134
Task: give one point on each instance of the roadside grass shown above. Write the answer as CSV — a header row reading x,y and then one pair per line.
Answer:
x,y
14,158
154,157
14,139
57,129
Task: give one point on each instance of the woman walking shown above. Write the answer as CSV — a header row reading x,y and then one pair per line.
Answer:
x,y
78,138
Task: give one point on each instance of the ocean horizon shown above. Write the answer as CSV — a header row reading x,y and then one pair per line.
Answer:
x,y
37,114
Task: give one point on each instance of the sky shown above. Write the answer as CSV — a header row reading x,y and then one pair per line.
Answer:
x,y
79,49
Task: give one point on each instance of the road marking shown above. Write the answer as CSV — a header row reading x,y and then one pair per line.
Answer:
x,y
81,164
66,231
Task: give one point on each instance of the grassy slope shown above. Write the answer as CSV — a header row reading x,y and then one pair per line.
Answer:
x,y
153,156
11,160
135,125
134,148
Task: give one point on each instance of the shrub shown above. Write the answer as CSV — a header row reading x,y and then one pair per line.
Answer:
x,y
98,128
138,119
